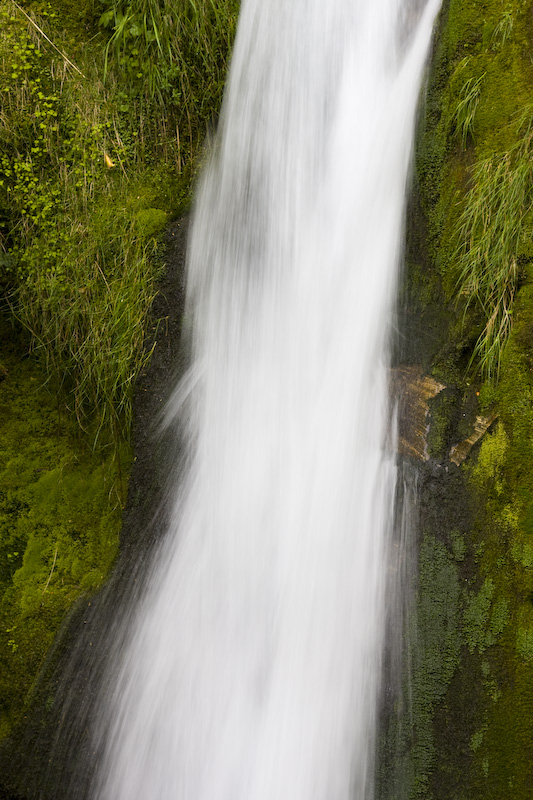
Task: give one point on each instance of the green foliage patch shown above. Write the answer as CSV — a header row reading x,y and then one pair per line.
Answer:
x,y
104,107
60,514
173,53
474,166
437,653
491,233
97,150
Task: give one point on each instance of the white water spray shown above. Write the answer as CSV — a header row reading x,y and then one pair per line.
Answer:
x,y
253,667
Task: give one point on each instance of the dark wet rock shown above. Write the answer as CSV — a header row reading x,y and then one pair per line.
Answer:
x,y
413,391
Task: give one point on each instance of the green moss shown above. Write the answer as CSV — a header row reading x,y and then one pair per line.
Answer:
x,y
442,409
487,471
59,521
435,660
500,617
477,740
478,98
459,546
485,617
503,759
524,643
150,221
487,396
476,616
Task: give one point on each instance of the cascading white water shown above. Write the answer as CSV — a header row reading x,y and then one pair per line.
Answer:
x,y
253,666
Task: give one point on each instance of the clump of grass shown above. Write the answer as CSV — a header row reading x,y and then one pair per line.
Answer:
x,y
88,316
466,93
172,54
503,30
489,232
465,111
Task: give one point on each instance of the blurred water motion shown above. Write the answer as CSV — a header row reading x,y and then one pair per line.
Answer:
x,y
253,667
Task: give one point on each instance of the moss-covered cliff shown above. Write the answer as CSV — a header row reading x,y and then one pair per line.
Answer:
x,y
469,293
60,511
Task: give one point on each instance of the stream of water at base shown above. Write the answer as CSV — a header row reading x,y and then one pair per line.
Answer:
x,y
252,669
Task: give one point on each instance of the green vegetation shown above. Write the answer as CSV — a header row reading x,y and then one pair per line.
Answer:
x,y
172,54
438,643
104,109
467,102
475,172
475,166
94,159
60,513
494,220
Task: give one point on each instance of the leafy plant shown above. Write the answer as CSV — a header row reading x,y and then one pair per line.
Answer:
x,y
172,54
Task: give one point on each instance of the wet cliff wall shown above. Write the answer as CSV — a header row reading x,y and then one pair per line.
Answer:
x,y
465,727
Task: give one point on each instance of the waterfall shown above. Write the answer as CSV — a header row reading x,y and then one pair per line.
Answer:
x,y
252,669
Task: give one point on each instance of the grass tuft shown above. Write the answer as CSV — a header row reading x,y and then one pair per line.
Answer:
x,y
465,111
489,234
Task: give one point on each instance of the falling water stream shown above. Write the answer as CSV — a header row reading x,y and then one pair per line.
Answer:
x,y
253,666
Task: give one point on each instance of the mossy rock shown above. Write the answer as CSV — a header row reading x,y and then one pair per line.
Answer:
x,y
60,515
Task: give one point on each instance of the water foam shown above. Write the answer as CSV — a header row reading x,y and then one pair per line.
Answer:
x,y
253,667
